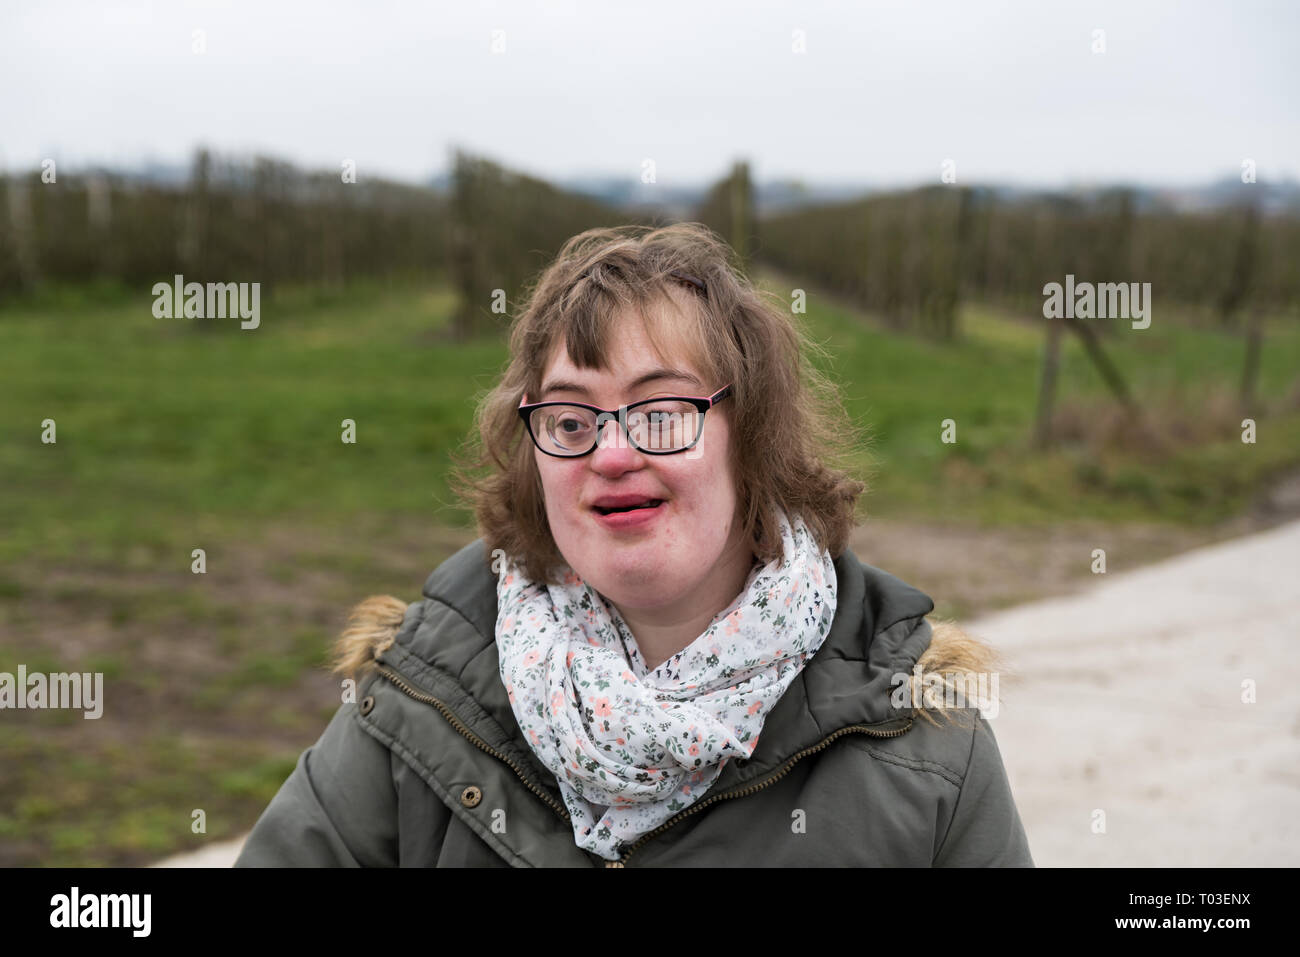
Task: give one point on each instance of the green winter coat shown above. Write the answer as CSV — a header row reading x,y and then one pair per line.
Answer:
x,y
428,767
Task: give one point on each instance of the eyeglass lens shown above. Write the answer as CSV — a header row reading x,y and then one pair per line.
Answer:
x,y
659,427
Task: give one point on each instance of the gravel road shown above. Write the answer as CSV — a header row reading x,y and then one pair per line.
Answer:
x,y
1130,702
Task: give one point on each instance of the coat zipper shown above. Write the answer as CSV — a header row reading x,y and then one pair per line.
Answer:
x,y
752,788
460,726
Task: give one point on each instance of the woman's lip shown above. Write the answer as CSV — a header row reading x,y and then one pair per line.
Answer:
x,y
627,505
635,518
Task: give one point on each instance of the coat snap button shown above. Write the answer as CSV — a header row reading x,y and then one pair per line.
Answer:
x,y
471,796
367,704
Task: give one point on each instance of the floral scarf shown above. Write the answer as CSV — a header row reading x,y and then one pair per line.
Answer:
x,y
631,747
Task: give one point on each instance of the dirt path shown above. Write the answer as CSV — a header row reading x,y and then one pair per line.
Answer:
x,y
1129,707
972,571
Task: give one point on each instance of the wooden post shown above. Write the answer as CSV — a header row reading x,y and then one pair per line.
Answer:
x,y
1111,376
22,228
740,198
1250,370
1047,385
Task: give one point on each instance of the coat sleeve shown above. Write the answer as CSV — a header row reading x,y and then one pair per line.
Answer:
x,y
337,809
985,830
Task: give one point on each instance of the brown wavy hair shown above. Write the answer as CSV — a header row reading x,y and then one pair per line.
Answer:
x,y
789,432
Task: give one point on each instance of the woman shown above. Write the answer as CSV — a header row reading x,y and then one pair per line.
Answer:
x,y
660,651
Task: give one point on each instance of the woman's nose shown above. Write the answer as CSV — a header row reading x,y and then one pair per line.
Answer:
x,y
613,451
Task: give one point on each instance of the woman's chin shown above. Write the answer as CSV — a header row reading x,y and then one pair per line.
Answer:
x,y
639,587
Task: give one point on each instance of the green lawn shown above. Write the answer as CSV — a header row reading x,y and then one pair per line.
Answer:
x,y
172,430
902,389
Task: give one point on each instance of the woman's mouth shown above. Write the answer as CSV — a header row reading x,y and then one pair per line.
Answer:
x,y
629,516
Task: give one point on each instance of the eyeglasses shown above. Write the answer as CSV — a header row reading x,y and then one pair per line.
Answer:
x,y
662,426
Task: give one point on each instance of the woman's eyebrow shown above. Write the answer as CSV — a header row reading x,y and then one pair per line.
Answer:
x,y
563,385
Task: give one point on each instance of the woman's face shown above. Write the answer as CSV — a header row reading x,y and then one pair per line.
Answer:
x,y
676,553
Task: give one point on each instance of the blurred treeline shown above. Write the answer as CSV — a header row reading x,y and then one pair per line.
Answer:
x,y
260,220
910,257
504,227
266,221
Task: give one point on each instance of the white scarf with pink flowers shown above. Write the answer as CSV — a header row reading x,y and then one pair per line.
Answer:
x,y
632,747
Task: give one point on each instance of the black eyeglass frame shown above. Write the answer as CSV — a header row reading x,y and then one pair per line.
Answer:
x,y
701,403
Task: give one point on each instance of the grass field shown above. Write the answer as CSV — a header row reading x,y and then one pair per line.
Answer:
x,y
181,434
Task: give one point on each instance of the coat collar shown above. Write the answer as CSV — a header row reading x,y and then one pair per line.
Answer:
x,y
450,640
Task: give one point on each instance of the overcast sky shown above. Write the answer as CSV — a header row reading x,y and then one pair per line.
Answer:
x,y
1010,91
